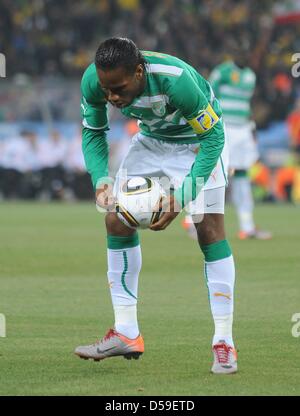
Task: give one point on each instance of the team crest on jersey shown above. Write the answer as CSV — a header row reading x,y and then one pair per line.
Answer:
x,y
159,108
235,77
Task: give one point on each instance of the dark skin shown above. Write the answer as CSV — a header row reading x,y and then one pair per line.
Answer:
x,y
122,88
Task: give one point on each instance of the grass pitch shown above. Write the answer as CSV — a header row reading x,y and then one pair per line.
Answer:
x,y
54,295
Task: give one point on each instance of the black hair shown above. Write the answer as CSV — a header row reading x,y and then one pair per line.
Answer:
x,y
119,52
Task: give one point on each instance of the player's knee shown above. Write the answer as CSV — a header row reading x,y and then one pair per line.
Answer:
x,y
115,227
207,234
211,229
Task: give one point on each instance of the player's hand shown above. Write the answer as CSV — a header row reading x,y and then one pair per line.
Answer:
x,y
170,211
104,197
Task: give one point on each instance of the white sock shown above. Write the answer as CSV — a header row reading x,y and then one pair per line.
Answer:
x,y
243,201
123,271
126,320
220,276
223,329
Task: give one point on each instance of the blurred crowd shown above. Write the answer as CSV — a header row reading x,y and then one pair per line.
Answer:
x,y
49,165
40,167
53,38
49,168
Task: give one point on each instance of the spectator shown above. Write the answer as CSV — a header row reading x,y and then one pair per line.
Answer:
x,y
78,178
38,38
19,166
51,153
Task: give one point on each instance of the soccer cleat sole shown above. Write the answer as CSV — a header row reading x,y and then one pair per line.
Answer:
x,y
225,370
134,355
227,373
129,356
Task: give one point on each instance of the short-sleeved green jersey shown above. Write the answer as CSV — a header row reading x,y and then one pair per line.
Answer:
x,y
234,87
177,105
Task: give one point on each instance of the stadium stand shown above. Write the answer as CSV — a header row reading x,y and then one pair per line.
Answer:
x,y
47,51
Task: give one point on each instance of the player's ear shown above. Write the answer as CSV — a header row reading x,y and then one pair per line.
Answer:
x,y
139,72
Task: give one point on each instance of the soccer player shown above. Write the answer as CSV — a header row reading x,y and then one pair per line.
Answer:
x,y
177,113
233,83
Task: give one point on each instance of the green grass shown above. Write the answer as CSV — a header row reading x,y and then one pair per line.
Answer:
x,y
55,296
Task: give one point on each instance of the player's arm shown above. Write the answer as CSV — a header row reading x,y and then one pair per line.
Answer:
x,y
94,143
190,100
210,150
205,121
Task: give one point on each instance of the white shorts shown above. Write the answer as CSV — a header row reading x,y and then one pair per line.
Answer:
x,y
154,158
243,151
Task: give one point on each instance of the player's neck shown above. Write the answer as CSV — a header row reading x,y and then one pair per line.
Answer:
x,y
143,85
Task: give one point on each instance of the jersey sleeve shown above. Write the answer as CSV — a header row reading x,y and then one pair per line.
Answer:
x,y
202,115
206,159
186,95
95,125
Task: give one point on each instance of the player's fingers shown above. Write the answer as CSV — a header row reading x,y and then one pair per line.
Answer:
x,y
165,204
159,206
156,226
106,202
160,224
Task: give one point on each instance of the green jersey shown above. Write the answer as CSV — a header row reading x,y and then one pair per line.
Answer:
x,y
177,105
234,87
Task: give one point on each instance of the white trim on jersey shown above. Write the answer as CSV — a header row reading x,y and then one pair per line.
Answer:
x,y
212,94
177,136
143,102
83,107
164,69
85,124
235,91
148,101
231,104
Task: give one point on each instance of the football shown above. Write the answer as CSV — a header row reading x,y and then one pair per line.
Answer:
x,y
138,202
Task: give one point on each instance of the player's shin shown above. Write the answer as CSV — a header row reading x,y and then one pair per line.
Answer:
x,y
124,264
220,276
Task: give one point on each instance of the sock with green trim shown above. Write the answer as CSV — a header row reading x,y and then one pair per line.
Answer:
x,y
220,277
124,264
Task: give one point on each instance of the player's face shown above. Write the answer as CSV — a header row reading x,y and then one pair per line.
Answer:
x,y
120,87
